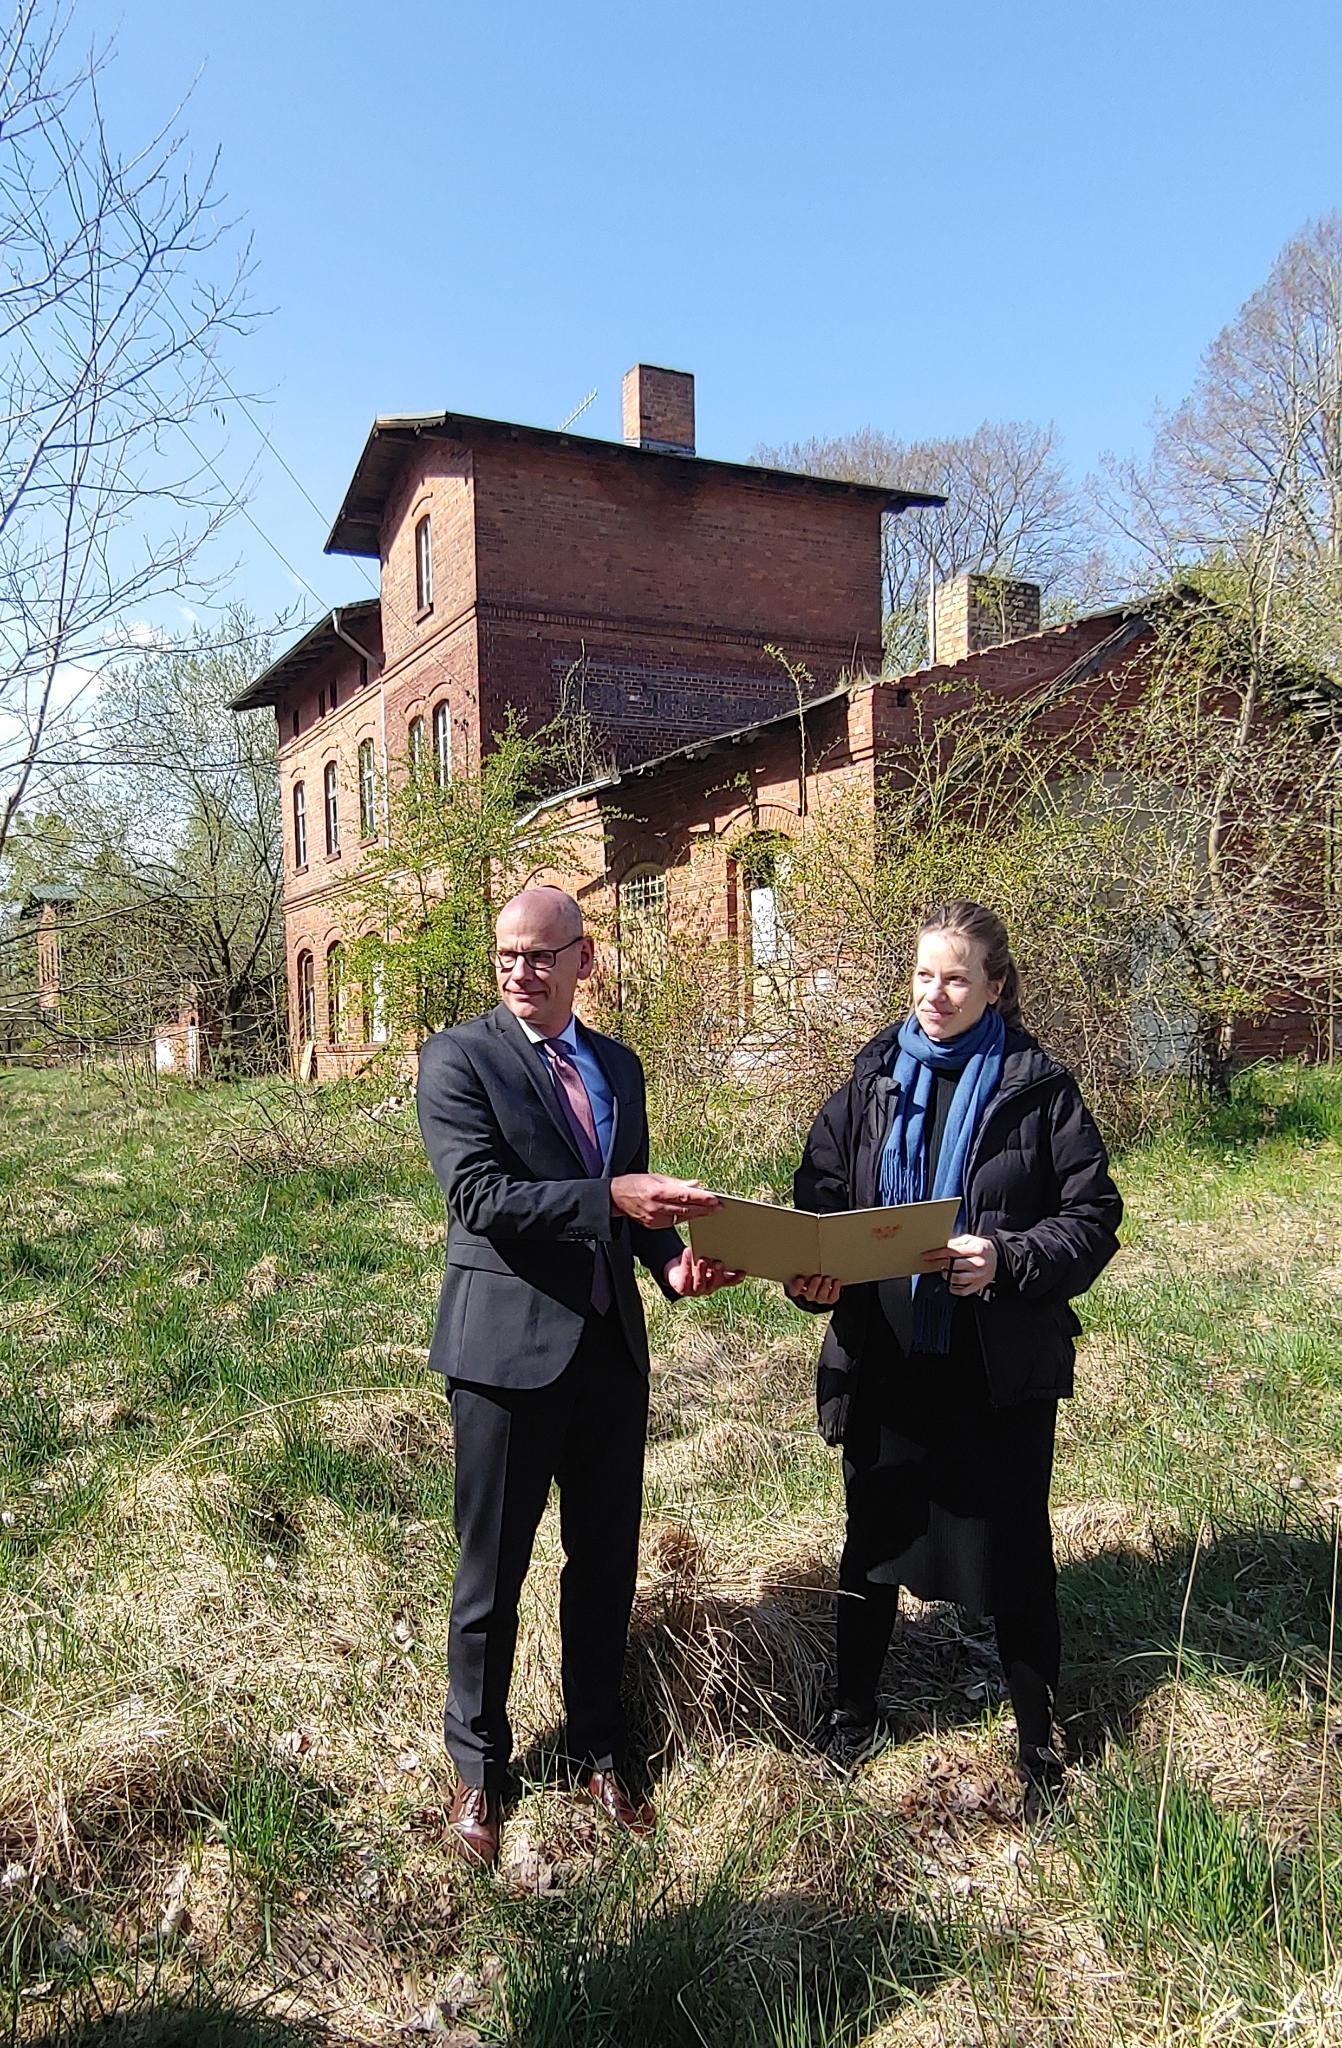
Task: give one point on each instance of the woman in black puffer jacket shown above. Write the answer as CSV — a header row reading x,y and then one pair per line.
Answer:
x,y
943,1391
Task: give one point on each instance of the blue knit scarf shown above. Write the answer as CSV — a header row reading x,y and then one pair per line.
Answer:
x,y
976,1057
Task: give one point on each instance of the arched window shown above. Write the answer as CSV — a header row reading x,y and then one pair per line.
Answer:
x,y
337,994
643,932
367,791
375,1005
761,865
415,744
423,565
442,743
307,996
332,796
300,825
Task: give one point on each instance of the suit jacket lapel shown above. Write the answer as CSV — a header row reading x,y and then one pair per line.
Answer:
x,y
515,1042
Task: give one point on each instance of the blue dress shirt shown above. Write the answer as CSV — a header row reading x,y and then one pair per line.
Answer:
x,y
594,1080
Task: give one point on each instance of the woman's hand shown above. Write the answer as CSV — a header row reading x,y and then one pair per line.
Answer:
x,y
816,1288
973,1265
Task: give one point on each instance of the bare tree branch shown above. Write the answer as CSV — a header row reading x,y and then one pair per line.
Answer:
x,y
119,287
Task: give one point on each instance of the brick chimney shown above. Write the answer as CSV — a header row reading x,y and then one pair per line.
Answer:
x,y
659,409
975,611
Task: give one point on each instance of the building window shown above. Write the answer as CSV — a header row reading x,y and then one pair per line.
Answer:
x,y
321,703
337,994
442,744
415,745
375,1005
643,932
762,865
300,825
294,733
332,808
423,565
367,791
334,687
307,997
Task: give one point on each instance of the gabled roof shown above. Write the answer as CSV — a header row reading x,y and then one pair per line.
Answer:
x,y
358,527
42,893
316,645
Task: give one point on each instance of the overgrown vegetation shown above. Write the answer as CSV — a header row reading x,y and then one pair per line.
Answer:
x,y
225,1558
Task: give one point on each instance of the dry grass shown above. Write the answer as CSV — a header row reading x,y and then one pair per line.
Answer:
x,y
223,1603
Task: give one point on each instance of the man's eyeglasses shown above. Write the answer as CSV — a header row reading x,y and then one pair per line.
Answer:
x,y
536,956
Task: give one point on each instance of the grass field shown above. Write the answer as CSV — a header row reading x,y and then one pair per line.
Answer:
x,y
225,1558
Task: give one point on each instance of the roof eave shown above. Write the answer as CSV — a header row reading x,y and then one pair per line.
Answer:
x,y
306,651
357,529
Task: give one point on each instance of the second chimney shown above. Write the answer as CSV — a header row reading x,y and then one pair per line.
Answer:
x,y
659,409
971,612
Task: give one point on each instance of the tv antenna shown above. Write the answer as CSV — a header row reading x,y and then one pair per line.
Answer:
x,y
578,410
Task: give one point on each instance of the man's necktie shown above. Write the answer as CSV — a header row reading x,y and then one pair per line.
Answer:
x,y
576,1104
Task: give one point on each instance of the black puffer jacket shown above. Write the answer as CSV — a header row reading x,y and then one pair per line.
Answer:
x,y
1036,1181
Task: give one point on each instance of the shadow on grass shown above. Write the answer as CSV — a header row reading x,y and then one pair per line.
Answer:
x,y
715,1666
621,1962
190,2023
1259,1609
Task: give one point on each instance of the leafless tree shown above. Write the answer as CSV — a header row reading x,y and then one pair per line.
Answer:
x,y
1010,510
1247,473
119,287
1242,496
167,834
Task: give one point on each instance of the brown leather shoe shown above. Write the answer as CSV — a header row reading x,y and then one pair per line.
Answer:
x,y
473,1824
611,1794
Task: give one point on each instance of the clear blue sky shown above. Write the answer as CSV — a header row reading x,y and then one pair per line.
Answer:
x,y
839,215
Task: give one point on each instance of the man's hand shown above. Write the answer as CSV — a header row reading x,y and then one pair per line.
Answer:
x,y
690,1275
818,1288
656,1200
974,1264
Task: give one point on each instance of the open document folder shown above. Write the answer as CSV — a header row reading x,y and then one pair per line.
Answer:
x,y
850,1244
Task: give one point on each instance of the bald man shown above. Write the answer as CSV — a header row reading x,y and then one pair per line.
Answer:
x,y
537,1131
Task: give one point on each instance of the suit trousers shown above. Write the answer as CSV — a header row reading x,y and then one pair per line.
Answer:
x,y
585,1432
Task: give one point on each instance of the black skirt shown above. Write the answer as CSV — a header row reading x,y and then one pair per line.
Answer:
x,y
946,1494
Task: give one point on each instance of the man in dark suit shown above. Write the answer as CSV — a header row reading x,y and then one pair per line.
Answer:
x,y
537,1131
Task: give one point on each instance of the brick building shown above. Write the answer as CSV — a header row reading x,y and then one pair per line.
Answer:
x,y
689,841
686,841
522,568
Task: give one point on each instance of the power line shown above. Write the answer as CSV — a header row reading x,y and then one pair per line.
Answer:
x,y
374,583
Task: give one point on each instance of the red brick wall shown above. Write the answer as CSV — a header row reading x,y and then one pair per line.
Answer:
x,y
652,542
662,584
437,478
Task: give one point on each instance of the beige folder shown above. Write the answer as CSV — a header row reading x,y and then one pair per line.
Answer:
x,y
850,1245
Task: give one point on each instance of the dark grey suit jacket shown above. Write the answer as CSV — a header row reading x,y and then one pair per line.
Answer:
x,y
524,1217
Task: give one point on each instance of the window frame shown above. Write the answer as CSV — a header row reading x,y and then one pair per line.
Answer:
x,y
300,825
331,808
423,565
367,790
337,993
374,1003
306,966
644,938
442,742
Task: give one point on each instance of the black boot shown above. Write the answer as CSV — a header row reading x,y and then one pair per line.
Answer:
x,y
1040,1773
